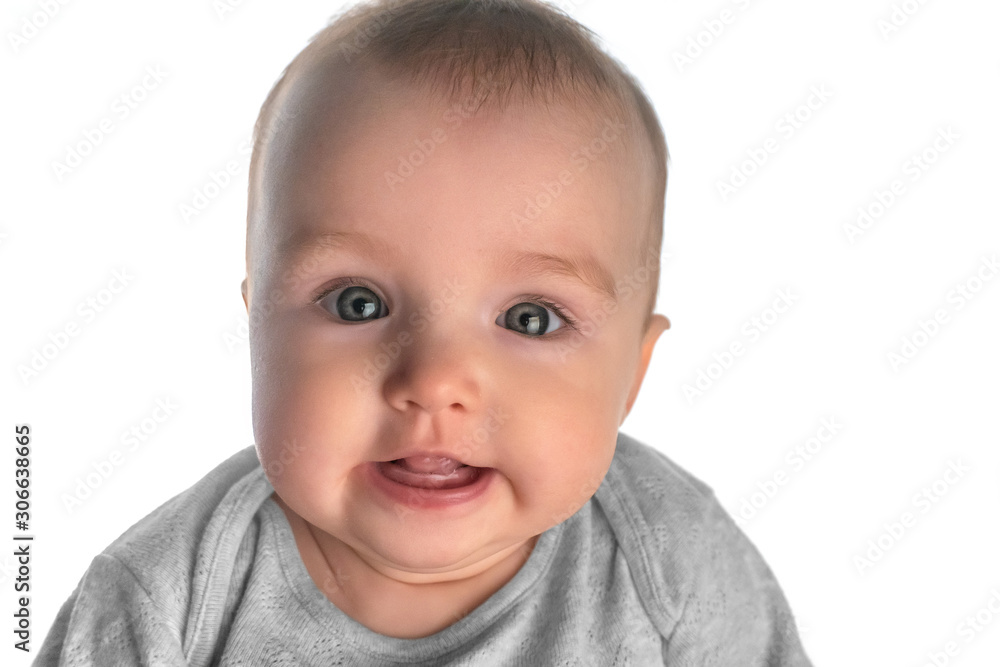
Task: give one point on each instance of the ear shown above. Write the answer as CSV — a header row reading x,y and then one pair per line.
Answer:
x,y
657,325
246,298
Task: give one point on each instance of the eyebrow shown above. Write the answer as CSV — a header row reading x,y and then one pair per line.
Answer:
x,y
356,242
583,268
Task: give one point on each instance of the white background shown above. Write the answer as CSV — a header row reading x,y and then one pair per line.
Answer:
x,y
177,330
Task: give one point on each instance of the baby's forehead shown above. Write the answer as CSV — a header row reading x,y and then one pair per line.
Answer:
x,y
339,115
326,103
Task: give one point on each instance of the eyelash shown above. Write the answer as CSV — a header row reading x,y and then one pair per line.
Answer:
x,y
557,308
323,292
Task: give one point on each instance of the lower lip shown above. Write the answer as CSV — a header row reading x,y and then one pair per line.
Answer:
x,y
420,498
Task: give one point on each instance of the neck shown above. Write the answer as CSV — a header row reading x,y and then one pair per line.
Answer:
x,y
397,603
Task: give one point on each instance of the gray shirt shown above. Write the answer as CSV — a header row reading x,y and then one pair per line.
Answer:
x,y
650,571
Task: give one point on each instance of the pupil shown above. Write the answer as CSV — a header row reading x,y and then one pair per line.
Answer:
x,y
363,307
530,319
357,304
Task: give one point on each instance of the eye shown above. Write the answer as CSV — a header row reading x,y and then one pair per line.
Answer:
x,y
353,303
532,319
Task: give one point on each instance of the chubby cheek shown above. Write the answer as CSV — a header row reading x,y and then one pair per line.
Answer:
x,y
310,423
564,439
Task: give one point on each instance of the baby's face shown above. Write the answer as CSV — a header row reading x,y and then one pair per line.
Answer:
x,y
414,292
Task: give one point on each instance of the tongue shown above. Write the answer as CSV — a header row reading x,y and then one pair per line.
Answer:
x,y
430,472
440,465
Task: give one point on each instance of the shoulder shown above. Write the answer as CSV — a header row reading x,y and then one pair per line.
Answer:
x,y
663,517
167,548
155,592
698,575
189,511
657,474
654,504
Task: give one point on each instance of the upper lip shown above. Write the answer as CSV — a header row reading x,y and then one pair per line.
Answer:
x,y
428,452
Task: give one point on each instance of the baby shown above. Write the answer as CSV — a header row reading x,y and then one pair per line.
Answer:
x,y
454,229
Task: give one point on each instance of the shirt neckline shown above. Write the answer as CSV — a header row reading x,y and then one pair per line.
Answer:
x,y
338,625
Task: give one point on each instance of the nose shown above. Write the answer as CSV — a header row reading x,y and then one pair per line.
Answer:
x,y
439,372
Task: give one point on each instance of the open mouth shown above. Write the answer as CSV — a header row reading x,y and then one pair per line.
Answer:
x,y
430,472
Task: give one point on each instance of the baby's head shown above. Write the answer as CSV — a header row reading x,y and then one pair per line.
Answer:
x,y
453,245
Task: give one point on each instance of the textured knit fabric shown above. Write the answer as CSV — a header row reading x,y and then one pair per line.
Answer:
x,y
650,571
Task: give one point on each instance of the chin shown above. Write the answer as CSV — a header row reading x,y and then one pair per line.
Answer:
x,y
428,552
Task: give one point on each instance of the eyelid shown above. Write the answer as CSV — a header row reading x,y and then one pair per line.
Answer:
x,y
340,283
